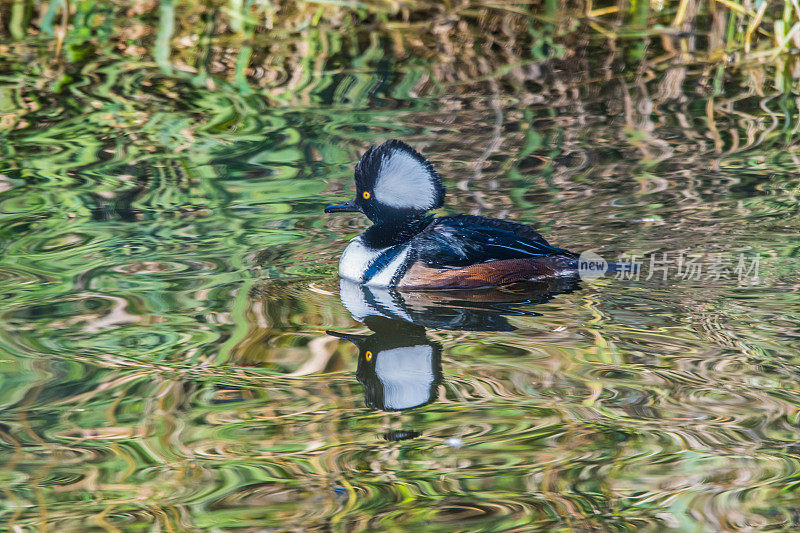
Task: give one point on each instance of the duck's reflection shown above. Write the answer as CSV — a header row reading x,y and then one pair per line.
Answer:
x,y
474,310
398,366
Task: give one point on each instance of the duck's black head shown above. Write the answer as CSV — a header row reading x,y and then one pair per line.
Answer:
x,y
394,183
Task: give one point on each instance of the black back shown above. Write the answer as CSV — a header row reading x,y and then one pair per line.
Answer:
x,y
462,240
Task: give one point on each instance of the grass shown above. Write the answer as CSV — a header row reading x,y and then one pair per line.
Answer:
x,y
716,31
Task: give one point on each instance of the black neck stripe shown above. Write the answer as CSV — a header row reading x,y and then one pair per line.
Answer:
x,y
381,262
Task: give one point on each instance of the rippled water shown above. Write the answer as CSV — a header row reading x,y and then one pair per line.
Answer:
x,y
170,304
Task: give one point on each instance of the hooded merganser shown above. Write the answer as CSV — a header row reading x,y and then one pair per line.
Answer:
x,y
408,249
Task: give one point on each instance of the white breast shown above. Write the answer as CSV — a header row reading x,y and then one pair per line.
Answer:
x,y
358,257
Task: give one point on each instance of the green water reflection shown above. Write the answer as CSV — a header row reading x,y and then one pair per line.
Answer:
x,y
168,279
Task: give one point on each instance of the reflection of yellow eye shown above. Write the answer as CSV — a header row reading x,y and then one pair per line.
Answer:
x,y
368,354
366,195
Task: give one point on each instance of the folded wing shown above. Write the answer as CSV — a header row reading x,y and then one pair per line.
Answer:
x,y
459,241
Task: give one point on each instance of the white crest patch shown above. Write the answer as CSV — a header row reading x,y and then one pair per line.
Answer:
x,y
405,182
406,374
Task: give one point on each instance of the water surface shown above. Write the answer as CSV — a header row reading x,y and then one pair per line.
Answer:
x,y
169,285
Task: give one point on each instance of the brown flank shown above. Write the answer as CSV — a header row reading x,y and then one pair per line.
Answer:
x,y
487,274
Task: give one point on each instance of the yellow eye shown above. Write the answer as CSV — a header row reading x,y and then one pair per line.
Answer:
x,y
368,354
366,195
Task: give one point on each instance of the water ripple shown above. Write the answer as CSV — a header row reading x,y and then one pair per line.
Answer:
x,y
168,279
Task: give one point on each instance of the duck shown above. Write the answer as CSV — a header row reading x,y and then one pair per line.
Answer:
x,y
407,248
